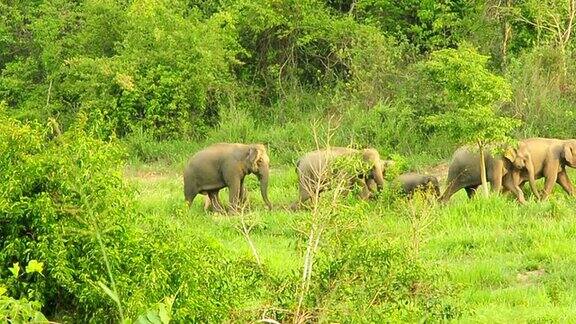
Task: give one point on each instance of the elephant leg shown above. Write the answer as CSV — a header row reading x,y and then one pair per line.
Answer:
x,y
372,185
435,188
215,204
190,190
243,196
551,176
512,184
303,196
565,183
190,195
234,189
366,193
207,202
496,183
308,189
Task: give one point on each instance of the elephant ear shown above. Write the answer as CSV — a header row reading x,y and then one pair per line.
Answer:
x,y
255,153
510,154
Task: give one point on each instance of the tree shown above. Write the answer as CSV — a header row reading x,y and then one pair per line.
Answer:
x,y
554,21
472,97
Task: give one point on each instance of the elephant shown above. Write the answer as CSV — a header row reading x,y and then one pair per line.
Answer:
x,y
464,171
412,182
550,157
225,165
314,173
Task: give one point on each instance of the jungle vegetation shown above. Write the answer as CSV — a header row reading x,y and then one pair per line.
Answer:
x,y
103,101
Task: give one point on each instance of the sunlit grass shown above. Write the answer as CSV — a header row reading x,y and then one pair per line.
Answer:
x,y
508,262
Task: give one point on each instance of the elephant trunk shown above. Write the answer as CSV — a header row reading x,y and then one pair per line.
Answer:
x,y
263,177
379,178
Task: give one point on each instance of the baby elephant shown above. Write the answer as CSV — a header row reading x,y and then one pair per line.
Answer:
x,y
410,182
413,182
226,165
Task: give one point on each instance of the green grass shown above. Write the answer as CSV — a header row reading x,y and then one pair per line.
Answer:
x,y
506,262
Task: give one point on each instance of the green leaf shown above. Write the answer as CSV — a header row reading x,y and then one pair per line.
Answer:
x,y
15,269
34,266
153,317
109,292
150,318
2,290
163,313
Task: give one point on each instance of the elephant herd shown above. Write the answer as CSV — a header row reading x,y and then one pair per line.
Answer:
x,y
226,165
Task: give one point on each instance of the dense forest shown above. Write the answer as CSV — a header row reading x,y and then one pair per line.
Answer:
x,y
102,102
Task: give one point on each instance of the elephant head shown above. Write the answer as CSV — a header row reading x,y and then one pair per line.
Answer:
x,y
519,157
258,163
569,153
377,172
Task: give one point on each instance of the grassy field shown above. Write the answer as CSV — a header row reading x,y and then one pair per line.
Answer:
x,y
505,262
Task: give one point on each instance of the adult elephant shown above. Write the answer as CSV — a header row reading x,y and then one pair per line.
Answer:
x,y
314,171
550,157
225,165
464,171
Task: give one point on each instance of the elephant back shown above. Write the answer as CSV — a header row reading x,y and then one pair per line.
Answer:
x,y
465,166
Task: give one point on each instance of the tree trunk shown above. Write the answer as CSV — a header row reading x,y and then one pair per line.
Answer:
x,y
483,169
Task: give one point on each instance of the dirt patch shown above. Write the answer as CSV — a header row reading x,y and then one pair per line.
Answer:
x,y
440,171
147,175
530,277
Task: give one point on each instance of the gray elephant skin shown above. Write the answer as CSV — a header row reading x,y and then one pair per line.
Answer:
x,y
413,182
225,165
464,171
313,171
550,157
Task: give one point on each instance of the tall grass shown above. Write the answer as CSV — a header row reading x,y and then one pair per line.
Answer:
x,y
487,259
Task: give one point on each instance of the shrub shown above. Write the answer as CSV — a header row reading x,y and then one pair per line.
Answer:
x,y
63,202
372,278
55,193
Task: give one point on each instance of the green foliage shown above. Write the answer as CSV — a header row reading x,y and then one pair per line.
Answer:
x,y
148,64
160,315
471,96
292,43
52,193
63,191
20,311
426,25
369,280
170,77
542,99
347,167
464,79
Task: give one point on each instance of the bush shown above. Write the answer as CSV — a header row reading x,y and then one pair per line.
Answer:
x,y
372,278
20,311
154,65
55,193
63,202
